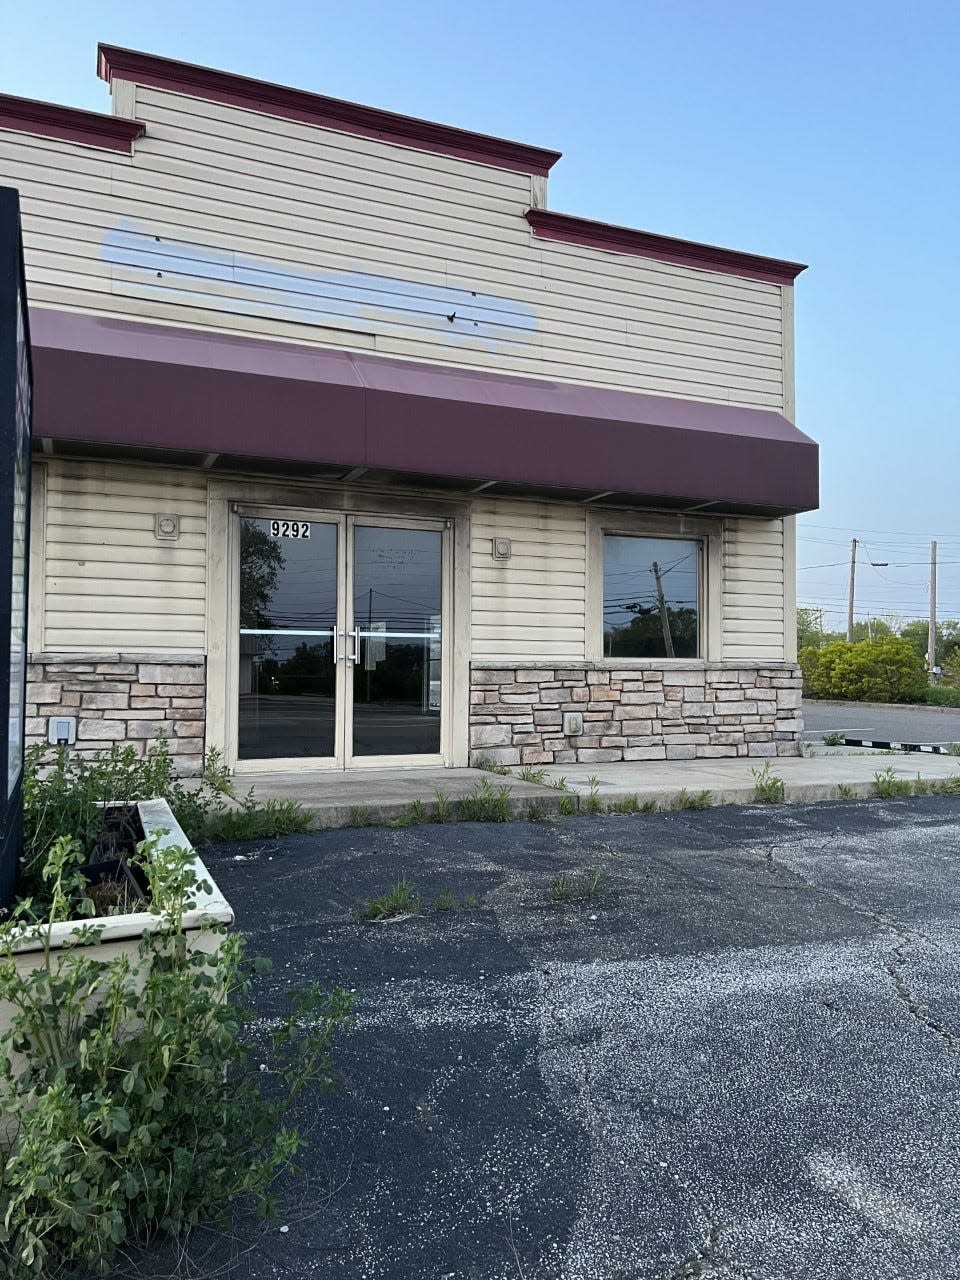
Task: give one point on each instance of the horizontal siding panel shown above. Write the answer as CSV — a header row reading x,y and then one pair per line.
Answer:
x,y
110,583
753,589
531,606
288,202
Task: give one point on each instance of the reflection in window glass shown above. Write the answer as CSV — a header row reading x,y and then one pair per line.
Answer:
x,y
651,594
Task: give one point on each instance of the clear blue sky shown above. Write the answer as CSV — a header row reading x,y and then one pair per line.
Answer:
x,y
823,132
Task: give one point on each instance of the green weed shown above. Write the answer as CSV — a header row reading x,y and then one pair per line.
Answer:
x,y
527,774
685,800
567,806
444,901
402,900
844,791
626,804
767,787
486,804
649,806
582,888
361,816
833,739
253,821
887,786
591,802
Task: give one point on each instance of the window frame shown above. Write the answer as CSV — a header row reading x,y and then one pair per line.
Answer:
x,y
627,524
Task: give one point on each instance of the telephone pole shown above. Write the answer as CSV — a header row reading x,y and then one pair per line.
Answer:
x,y
664,616
853,579
932,629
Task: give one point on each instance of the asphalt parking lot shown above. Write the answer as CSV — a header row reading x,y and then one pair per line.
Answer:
x,y
889,723
741,1059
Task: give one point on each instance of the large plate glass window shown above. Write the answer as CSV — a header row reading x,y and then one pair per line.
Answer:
x,y
651,597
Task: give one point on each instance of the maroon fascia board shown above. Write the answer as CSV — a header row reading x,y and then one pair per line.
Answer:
x,y
143,386
314,108
602,235
49,120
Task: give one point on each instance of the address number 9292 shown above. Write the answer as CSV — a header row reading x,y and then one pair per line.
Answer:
x,y
289,528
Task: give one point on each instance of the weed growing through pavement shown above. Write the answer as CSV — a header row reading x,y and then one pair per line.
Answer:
x,y
253,821
560,784
444,901
567,806
470,902
441,808
833,739
527,774
402,900
582,888
486,804
767,787
649,806
686,800
361,816
953,749
536,812
591,803
489,767
626,804
887,786
845,791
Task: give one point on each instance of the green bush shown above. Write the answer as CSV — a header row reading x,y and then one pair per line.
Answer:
x,y
942,695
886,670
143,1111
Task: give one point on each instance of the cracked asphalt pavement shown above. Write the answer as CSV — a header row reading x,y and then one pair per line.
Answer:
x,y
741,1060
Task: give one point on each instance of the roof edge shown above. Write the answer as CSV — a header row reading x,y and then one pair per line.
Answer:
x,y
71,124
647,244
314,108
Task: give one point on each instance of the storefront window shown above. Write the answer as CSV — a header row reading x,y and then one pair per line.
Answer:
x,y
651,597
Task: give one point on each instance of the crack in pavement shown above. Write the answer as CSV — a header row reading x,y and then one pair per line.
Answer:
x,y
704,1258
894,966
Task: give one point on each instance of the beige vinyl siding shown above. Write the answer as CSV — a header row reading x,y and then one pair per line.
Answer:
x,y
753,589
110,585
532,606
233,220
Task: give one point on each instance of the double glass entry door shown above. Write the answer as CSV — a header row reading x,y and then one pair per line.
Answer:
x,y
341,634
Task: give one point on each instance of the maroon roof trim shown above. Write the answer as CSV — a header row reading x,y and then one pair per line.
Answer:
x,y
601,235
69,123
144,386
314,108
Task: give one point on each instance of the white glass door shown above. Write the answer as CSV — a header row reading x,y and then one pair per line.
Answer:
x,y
341,640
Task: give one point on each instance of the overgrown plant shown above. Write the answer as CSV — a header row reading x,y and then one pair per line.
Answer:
x,y
140,1111
591,801
887,786
582,888
691,800
767,787
402,899
833,739
253,821
486,804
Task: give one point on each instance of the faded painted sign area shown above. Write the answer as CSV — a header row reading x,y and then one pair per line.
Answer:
x,y
147,265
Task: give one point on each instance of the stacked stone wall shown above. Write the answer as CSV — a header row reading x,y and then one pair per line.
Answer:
x,y
699,710
120,698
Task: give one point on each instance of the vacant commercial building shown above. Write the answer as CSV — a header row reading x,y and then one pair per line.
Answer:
x,y
351,452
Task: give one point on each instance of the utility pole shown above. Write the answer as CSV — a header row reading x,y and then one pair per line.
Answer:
x,y
932,630
853,579
664,616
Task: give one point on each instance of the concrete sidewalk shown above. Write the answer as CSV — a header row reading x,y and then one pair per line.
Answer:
x,y
384,795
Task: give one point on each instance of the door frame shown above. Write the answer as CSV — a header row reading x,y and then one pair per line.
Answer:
x,y
226,501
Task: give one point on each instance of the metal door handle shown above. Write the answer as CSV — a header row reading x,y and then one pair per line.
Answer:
x,y
337,655
355,635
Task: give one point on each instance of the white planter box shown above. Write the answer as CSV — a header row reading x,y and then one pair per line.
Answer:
x,y
122,933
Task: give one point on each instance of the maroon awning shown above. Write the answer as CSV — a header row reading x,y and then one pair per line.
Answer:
x,y
121,386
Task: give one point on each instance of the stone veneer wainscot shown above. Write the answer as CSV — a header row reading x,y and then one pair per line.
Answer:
x,y
634,711
121,698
